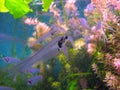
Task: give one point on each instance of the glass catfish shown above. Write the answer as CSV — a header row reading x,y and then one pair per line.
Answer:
x,y
49,51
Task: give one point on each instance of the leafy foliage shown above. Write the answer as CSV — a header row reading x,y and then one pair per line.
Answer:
x,y
18,8
46,5
2,6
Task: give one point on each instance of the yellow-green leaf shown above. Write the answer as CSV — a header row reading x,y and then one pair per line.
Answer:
x,y
17,8
46,5
2,6
27,1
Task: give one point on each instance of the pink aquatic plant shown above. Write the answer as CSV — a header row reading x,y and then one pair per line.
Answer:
x,y
104,33
95,68
74,23
41,28
111,80
69,28
91,48
70,6
54,10
116,3
31,21
89,9
31,40
56,13
116,63
93,37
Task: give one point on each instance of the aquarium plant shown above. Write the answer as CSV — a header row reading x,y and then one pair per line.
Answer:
x,y
70,52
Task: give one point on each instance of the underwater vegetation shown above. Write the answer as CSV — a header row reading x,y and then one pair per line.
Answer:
x,y
69,52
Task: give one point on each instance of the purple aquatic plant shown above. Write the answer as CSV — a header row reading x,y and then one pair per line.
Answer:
x,y
116,63
84,23
90,7
33,80
99,25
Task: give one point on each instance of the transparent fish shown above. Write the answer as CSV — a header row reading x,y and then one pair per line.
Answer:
x,y
58,28
6,88
63,47
65,51
10,60
43,37
70,39
11,38
33,80
33,70
54,30
47,52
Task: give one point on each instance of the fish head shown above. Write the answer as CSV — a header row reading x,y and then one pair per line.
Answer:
x,y
6,59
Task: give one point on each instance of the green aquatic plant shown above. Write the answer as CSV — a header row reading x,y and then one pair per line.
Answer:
x,y
79,68
46,5
74,63
71,85
19,8
15,7
73,68
106,57
2,6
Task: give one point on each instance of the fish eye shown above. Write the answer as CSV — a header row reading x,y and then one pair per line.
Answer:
x,y
6,59
30,82
66,37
